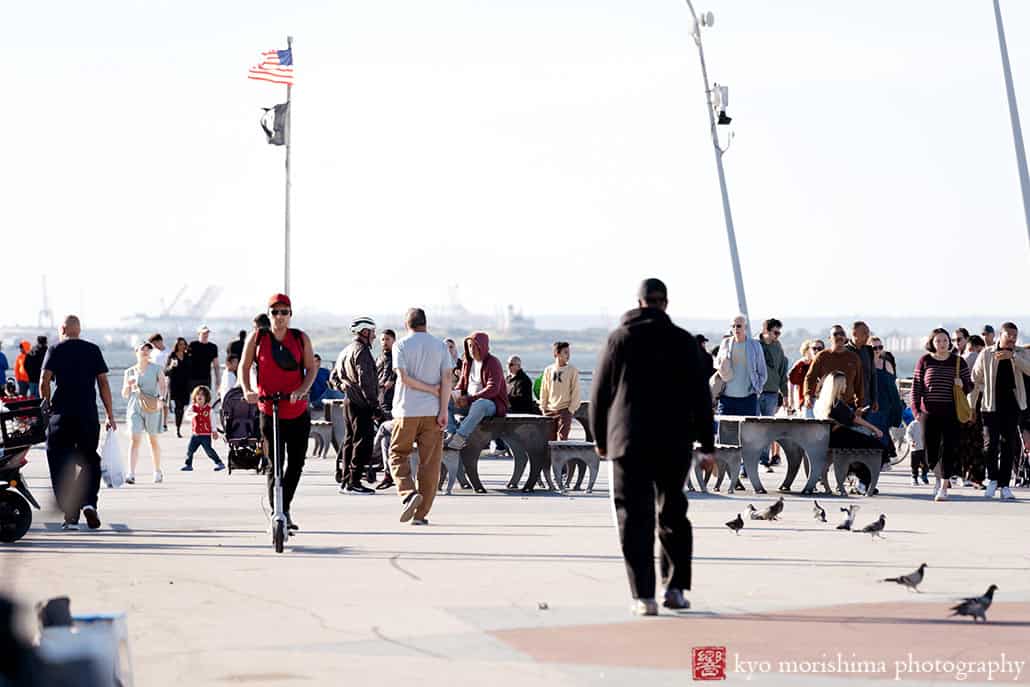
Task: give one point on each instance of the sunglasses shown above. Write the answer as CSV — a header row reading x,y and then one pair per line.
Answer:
x,y
283,312
738,326
818,349
840,335
877,348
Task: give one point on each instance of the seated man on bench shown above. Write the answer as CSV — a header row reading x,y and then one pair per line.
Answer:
x,y
481,390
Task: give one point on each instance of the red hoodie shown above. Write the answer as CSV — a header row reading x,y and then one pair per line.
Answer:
x,y
494,387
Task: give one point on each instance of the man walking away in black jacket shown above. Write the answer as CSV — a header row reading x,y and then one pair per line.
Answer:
x,y
650,402
34,364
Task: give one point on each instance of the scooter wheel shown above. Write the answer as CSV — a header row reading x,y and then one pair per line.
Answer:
x,y
279,537
15,517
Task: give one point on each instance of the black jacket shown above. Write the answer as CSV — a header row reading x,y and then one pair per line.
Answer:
x,y
650,393
520,394
357,368
34,362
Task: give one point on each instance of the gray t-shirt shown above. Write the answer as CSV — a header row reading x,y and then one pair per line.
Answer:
x,y
427,359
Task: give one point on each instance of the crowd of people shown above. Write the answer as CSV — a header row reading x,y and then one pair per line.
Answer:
x,y
656,395
966,416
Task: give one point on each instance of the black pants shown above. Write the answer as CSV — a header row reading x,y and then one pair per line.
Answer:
x,y
357,446
640,483
293,436
1001,445
941,437
72,442
919,465
180,401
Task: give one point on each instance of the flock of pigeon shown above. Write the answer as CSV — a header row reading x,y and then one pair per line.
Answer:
x,y
973,606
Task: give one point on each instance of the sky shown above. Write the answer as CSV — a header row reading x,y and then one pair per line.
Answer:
x,y
545,154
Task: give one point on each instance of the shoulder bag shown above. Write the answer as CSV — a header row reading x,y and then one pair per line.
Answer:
x,y
962,409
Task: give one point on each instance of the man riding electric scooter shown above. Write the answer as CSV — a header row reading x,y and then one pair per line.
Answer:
x,y
286,371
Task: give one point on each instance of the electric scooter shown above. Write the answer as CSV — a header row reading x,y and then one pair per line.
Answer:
x,y
280,531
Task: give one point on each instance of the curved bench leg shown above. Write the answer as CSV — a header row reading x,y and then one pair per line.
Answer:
x,y
581,468
793,454
470,459
594,466
751,455
874,474
558,464
521,460
840,473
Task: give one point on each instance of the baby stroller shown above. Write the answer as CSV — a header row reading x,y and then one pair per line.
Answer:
x,y
242,433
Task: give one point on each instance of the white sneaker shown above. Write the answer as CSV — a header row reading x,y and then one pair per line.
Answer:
x,y
956,482
644,607
942,494
1007,494
158,477
992,487
936,486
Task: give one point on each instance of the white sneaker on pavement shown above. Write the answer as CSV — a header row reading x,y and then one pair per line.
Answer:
x,y
158,477
644,607
942,493
992,487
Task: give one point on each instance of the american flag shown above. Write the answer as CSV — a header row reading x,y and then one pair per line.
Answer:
x,y
275,66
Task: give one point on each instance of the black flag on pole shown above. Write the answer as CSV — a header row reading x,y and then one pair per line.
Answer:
x,y
276,123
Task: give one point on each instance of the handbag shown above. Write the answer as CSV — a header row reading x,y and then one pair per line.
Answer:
x,y
148,403
962,409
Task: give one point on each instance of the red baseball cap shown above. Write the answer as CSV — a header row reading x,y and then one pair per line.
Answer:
x,y
280,298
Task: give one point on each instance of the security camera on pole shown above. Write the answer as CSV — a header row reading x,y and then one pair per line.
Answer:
x,y
716,101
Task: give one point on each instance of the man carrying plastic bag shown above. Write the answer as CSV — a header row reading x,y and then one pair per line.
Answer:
x,y
112,467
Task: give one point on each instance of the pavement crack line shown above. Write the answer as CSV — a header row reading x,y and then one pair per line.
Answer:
x,y
395,564
411,647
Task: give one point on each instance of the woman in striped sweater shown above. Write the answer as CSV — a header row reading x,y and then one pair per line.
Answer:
x,y
933,400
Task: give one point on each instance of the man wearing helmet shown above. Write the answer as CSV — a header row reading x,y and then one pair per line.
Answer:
x,y
357,369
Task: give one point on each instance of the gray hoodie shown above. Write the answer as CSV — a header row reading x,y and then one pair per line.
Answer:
x,y
776,363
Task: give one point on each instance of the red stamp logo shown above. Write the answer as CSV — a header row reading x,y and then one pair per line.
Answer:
x,y
709,662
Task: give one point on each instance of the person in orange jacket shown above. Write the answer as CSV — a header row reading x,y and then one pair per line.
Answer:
x,y
21,375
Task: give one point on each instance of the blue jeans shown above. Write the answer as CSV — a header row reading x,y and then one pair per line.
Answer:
x,y
481,408
34,389
728,405
768,404
201,441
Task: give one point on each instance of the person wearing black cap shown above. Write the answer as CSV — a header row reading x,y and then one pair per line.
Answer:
x,y
650,402
988,335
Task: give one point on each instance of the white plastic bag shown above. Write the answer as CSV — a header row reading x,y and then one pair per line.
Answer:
x,y
112,467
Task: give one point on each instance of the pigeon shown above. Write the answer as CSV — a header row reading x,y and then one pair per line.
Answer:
x,y
911,580
875,528
754,514
737,524
773,511
849,519
818,512
975,606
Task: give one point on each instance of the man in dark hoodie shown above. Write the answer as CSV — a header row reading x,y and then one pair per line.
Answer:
x,y
482,390
34,364
650,402
356,368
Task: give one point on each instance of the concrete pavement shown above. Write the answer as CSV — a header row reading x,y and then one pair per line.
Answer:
x,y
507,588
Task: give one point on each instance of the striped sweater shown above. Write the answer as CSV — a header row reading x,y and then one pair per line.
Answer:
x,y
933,384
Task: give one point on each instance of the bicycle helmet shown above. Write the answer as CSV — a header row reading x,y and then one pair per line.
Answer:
x,y
360,323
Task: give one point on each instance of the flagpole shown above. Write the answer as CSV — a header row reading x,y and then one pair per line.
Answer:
x,y
289,136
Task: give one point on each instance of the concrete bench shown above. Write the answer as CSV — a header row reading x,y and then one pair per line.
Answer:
x,y
843,458
322,434
727,462
562,453
582,416
526,437
800,438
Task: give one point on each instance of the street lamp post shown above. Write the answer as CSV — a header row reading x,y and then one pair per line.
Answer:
x,y
1017,132
730,234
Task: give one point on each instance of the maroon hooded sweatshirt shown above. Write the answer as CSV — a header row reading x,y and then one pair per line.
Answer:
x,y
494,387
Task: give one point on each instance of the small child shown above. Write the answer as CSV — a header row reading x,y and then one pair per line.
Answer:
x,y
202,430
920,466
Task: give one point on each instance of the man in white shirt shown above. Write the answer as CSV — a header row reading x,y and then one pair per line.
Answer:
x,y
423,366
